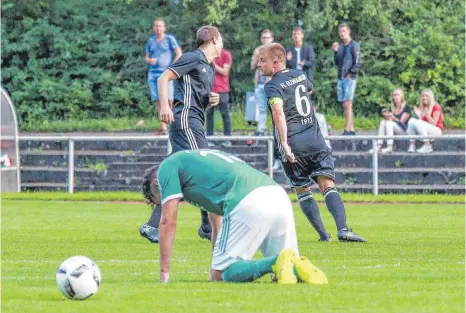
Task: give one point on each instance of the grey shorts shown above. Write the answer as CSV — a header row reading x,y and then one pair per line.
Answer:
x,y
304,173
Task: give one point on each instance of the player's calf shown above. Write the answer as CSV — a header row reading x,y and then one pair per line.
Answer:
x,y
311,210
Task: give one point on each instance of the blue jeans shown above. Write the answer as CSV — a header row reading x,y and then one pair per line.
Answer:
x,y
345,89
259,98
153,91
223,107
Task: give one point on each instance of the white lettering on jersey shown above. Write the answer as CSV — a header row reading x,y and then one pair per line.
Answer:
x,y
293,81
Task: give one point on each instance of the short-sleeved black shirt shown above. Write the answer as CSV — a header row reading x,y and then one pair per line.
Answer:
x,y
304,136
192,89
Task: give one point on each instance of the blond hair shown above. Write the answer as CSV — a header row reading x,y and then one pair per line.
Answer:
x,y
275,50
403,101
430,95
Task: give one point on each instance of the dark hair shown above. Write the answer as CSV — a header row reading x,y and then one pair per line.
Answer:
x,y
298,29
149,176
341,25
267,31
206,34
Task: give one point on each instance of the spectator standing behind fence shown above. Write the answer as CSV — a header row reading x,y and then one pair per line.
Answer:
x,y
395,120
347,58
222,87
259,82
161,51
429,121
301,56
259,93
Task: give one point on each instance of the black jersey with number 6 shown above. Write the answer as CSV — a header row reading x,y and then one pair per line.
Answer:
x,y
304,136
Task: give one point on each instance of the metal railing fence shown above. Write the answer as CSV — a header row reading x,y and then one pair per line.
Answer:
x,y
269,139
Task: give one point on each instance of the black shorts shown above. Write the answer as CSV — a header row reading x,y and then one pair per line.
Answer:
x,y
188,139
304,173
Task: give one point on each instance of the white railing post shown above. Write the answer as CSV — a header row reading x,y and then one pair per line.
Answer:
x,y
169,146
270,157
375,167
71,166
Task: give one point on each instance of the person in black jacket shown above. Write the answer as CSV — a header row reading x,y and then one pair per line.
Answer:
x,y
348,61
301,56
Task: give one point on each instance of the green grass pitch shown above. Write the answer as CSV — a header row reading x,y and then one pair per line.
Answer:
x,y
413,262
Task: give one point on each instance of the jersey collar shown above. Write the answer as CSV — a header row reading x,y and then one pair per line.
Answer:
x,y
203,56
282,71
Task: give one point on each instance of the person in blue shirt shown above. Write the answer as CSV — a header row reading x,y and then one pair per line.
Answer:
x,y
161,51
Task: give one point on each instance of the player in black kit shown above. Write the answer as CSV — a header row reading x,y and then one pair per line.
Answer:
x,y
194,75
305,156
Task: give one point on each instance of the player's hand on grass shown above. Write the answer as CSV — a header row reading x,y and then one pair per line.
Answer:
x,y
214,99
289,155
166,115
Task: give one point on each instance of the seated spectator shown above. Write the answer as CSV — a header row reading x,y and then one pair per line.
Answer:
x,y
429,121
395,120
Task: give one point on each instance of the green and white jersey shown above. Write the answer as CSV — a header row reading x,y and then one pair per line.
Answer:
x,y
212,180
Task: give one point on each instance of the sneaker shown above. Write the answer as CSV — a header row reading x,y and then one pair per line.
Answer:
x,y
349,133
150,233
386,150
411,149
211,144
348,236
205,231
226,144
276,166
283,267
425,149
308,272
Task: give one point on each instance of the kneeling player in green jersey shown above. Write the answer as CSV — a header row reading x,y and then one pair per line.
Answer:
x,y
248,212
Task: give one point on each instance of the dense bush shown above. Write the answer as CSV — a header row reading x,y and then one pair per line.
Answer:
x,y
78,59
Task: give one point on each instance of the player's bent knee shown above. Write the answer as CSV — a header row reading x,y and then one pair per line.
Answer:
x,y
303,193
325,182
302,189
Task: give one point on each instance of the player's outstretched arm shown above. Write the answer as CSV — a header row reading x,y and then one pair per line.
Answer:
x,y
165,113
167,231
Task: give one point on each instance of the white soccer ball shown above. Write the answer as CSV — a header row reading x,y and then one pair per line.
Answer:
x,y
78,278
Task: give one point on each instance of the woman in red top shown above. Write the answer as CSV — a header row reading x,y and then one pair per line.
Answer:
x,y
428,123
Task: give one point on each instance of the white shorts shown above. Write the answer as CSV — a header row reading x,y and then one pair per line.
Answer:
x,y
263,220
